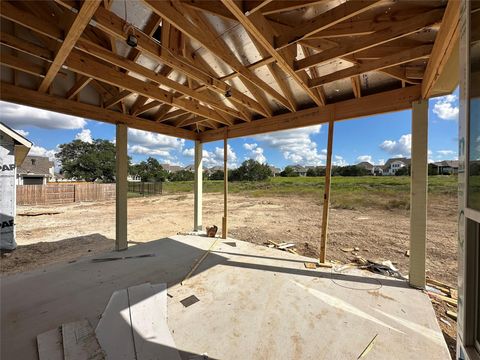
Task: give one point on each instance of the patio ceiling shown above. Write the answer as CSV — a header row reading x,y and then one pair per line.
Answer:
x,y
206,70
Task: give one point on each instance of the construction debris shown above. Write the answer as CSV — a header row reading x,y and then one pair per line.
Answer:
x,y
192,299
122,258
407,253
347,249
444,298
368,348
451,314
441,291
290,247
314,265
212,231
445,321
38,213
384,268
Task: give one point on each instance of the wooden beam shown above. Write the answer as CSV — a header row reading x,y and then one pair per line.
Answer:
x,y
166,10
326,192
260,29
342,12
357,89
443,47
420,52
225,187
14,62
116,99
81,21
198,187
77,87
33,98
384,102
396,31
121,165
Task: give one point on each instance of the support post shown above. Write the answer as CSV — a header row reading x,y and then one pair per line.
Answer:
x,y
121,188
326,193
198,191
418,193
225,189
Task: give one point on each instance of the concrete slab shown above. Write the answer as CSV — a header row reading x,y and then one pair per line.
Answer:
x,y
255,303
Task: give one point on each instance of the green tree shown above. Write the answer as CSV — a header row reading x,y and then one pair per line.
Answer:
x,y
403,171
182,175
93,161
150,170
288,172
352,170
251,170
316,171
217,175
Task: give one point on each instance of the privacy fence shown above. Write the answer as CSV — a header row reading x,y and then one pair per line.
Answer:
x,y
52,194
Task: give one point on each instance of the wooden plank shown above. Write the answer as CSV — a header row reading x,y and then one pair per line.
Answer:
x,y
396,31
443,47
80,342
81,21
27,97
114,331
225,188
50,345
77,87
419,52
384,102
151,334
326,192
333,16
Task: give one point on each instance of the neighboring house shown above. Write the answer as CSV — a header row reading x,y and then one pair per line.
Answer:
x,y
275,171
35,170
366,165
171,168
210,171
190,168
299,169
134,178
394,164
446,167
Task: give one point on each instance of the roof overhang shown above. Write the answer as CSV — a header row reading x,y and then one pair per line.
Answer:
x,y
22,145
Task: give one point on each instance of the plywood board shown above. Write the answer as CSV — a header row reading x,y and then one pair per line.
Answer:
x,y
151,334
80,342
50,345
114,331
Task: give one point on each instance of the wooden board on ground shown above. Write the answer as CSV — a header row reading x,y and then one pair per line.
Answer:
x,y
80,342
114,331
50,345
151,334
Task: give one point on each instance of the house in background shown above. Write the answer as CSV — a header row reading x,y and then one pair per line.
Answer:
x,y
394,164
445,167
35,170
171,168
299,169
373,169
275,171
190,168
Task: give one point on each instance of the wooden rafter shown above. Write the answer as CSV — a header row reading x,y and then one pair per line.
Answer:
x,y
76,29
260,29
77,87
398,30
338,14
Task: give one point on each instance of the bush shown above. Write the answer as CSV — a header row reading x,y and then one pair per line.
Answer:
x,y
316,171
251,170
216,175
182,175
288,172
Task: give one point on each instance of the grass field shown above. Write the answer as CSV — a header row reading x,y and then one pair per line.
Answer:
x,y
388,192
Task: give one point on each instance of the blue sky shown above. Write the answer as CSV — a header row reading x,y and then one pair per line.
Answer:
x,y
374,138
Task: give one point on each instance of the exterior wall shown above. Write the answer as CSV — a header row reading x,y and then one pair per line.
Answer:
x,y
7,198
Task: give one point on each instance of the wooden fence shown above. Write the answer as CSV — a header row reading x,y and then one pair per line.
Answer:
x,y
52,194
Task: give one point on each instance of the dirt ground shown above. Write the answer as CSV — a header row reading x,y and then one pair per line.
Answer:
x,y
68,232
84,228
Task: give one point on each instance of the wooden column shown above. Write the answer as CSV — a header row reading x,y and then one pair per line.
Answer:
x,y
225,189
326,193
418,193
198,190
121,188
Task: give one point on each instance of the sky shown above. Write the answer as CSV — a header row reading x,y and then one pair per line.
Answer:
x,y
374,139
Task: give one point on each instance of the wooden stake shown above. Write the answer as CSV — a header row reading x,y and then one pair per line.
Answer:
x,y
326,194
225,187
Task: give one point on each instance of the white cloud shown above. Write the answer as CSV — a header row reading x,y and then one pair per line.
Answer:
x,y
215,157
22,132
152,144
189,152
296,145
446,152
41,151
85,135
446,107
18,115
367,158
339,161
400,148
255,153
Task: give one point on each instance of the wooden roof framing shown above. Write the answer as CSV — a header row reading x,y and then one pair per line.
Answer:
x,y
205,69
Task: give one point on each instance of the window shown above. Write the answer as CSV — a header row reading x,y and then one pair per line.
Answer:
x,y
34,161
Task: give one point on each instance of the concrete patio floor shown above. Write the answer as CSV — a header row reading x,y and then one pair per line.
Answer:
x,y
255,303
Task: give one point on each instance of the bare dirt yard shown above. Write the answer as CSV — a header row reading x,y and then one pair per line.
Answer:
x,y
65,233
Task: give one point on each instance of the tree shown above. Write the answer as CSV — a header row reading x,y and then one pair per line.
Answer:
x,y
403,171
316,171
288,172
217,175
149,170
352,170
251,170
88,161
182,175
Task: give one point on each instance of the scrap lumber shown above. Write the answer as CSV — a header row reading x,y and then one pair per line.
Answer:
x,y
444,298
437,283
451,314
50,346
368,348
80,342
283,246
